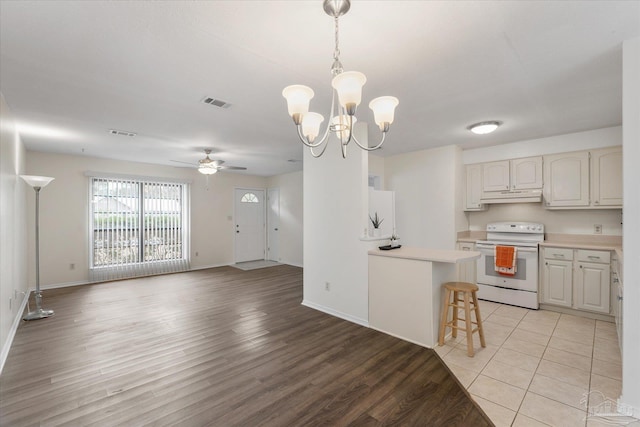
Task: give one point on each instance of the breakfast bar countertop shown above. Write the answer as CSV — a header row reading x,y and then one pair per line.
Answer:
x,y
424,254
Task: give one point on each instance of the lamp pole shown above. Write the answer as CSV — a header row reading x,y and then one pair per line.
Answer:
x,y
37,182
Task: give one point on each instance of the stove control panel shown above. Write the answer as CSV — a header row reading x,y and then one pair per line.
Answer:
x,y
515,227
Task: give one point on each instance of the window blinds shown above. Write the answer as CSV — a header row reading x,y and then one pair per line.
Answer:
x,y
137,228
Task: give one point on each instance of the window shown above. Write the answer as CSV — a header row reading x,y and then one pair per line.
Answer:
x,y
249,198
137,228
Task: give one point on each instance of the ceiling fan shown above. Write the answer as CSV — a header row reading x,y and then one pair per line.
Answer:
x,y
208,166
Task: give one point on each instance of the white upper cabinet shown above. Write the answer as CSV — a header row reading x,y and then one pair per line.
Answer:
x,y
495,176
512,175
606,177
473,191
526,173
584,179
566,179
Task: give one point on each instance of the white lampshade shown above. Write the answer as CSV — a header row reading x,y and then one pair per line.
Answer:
x,y
298,97
341,126
311,125
349,86
37,181
207,170
383,109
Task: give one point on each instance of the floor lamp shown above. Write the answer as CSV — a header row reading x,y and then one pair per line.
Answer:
x,y
37,182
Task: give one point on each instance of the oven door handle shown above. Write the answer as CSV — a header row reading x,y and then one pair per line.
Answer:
x,y
480,247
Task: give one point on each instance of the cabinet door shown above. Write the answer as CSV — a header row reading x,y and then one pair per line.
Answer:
x,y
473,188
467,270
495,176
566,179
557,282
526,173
606,177
592,287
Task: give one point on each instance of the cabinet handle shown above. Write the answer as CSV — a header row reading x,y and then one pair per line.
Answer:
x,y
596,202
546,263
580,265
593,257
507,187
619,298
558,256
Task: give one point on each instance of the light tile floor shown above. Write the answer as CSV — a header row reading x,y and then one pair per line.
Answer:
x,y
539,368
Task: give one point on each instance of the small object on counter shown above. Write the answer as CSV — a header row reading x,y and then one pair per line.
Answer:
x,y
389,247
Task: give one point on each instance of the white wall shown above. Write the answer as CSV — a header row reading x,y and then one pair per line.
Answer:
x,y
376,167
569,221
428,196
631,239
13,229
291,223
607,137
64,212
555,221
335,217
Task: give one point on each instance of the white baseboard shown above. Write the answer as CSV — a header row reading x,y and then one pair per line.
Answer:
x,y
204,267
335,313
12,332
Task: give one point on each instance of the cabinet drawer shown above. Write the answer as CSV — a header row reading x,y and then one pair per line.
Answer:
x,y
559,253
603,257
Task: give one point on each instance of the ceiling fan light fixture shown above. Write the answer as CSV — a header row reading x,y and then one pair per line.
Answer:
x,y
207,170
484,128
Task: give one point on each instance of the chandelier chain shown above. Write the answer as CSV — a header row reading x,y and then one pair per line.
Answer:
x,y
336,52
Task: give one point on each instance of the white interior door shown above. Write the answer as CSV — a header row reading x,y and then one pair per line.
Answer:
x,y
249,224
273,224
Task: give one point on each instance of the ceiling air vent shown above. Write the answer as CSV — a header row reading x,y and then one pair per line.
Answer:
x,y
121,132
216,102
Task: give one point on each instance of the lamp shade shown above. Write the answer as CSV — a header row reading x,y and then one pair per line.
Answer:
x,y
349,87
207,170
311,125
37,181
298,97
384,109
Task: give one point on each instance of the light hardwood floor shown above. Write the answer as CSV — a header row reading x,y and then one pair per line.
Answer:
x,y
218,347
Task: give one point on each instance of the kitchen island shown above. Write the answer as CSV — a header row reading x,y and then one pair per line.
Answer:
x,y
405,294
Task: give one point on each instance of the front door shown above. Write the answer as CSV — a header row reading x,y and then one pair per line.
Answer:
x,y
249,225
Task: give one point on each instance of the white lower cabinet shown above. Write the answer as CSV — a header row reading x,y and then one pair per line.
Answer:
x,y
578,279
593,287
557,279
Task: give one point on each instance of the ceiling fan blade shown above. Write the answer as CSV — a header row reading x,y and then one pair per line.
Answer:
x,y
217,163
235,168
186,163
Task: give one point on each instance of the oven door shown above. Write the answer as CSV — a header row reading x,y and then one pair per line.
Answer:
x,y
526,277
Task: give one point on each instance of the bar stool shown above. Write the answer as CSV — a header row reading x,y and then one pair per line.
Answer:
x,y
469,297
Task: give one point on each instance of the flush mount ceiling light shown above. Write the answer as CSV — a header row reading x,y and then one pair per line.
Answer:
x,y
483,128
347,85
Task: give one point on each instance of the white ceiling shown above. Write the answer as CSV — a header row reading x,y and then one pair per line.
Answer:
x,y
77,69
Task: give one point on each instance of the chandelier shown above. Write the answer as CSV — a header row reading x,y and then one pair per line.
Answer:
x,y
346,96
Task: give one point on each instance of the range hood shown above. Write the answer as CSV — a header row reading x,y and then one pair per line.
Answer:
x,y
513,196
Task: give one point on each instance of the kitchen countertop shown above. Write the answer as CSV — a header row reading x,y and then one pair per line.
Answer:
x,y
583,241
423,254
557,240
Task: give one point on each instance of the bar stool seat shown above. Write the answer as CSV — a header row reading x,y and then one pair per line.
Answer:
x,y
469,299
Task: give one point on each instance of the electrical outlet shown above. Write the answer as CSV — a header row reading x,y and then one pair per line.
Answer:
x,y
196,253
327,286
72,266
597,228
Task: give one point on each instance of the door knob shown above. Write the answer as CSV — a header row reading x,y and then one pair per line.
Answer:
x,y
275,229
237,231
